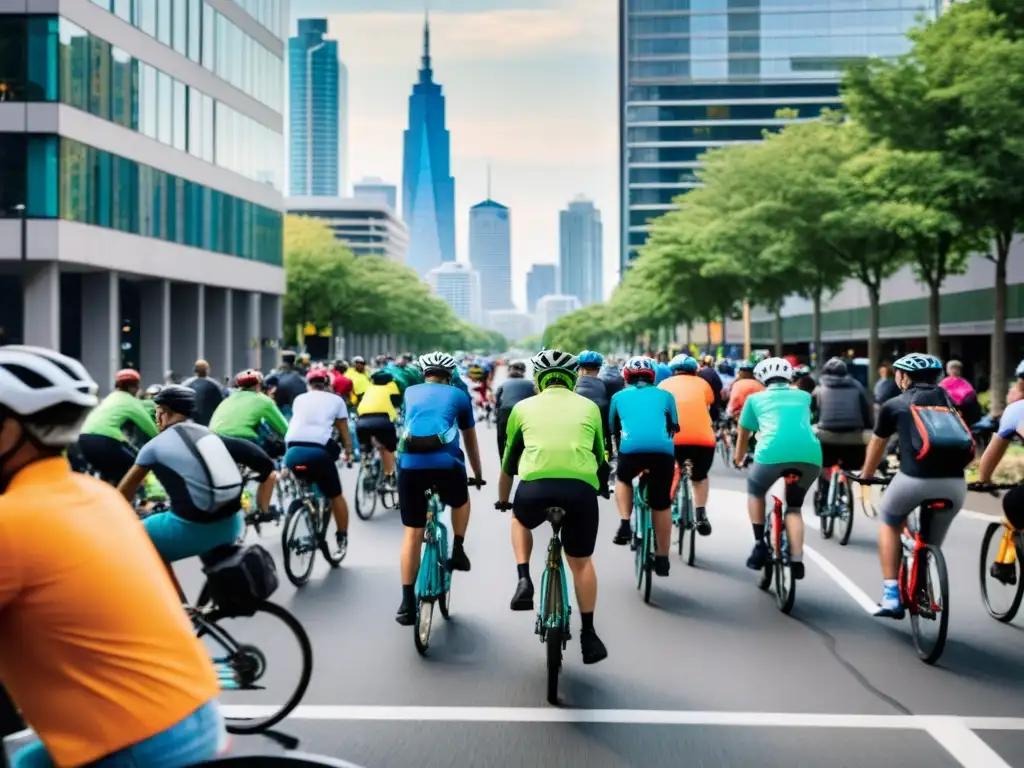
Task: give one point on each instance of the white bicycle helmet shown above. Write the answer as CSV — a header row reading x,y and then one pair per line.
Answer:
x,y
639,367
773,368
33,379
437,361
553,363
916,361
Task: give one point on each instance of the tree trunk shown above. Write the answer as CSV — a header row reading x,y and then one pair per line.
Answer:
x,y
997,377
874,343
778,330
816,350
934,318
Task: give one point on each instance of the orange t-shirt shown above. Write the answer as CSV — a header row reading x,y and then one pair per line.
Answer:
x,y
740,390
693,396
95,648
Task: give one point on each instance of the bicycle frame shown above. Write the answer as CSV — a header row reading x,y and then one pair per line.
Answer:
x,y
909,582
435,538
554,568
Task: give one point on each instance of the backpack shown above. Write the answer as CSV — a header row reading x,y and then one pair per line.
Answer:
x,y
939,436
223,479
242,580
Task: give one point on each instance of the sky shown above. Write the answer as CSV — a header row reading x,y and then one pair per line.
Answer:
x,y
531,90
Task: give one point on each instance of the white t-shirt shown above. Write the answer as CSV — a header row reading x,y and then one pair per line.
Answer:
x,y
313,417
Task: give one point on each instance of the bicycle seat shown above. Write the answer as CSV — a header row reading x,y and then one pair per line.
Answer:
x,y
217,554
555,515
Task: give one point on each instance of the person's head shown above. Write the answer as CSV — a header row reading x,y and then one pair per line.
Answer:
x,y
437,367
707,361
174,404
406,359
835,367
201,369
773,370
885,369
287,360
318,378
359,363
1020,374
44,399
955,369
381,378
916,368
554,368
249,381
517,370
639,370
152,391
683,365
662,356
590,362
128,380
745,370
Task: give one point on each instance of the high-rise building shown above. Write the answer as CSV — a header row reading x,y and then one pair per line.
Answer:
x,y
697,76
510,323
368,226
580,259
541,280
490,253
428,189
554,306
317,113
147,160
459,285
378,190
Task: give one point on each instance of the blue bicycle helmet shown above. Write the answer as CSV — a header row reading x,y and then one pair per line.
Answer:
x,y
916,362
683,363
590,359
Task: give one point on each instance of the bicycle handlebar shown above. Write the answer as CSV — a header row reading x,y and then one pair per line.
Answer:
x,y
867,480
990,487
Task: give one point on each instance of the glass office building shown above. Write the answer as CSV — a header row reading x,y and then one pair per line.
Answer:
x,y
699,74
141,159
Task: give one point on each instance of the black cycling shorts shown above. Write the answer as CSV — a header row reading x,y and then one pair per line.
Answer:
x,y
502,430
661,468
377,426
111,458
413,484
320,467
579,500
1013,507
701,457
849,457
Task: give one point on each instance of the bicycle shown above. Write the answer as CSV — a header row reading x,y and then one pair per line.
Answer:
x,y
434,579
370,485
1005,567
684,515
725,439
312,509
254,518
838,504
917,594
644,543
553,616
779,566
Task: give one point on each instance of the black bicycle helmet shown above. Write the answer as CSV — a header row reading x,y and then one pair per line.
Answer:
x,y
835,367
381,377
177,398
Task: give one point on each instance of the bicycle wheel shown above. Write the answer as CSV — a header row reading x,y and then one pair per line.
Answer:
x,y
764,581
366,488
444,600
844,505
690,526
554,636
826,521
1014,582
649,549
930,604
785,584
639,536
329,548
299,542
248,663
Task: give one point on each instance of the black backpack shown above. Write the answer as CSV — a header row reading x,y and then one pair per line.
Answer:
x,y
939,435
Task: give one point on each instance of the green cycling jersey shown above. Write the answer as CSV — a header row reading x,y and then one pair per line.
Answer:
x,y
117,411
243,411
556,434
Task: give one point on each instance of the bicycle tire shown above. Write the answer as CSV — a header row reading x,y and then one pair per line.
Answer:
x,y
244,725
330,555
553,641
638,560
691,525
444,599
930,551
764,581
846,520
423,624
292,760
296,511
649,550
1008,615
365,509
826,524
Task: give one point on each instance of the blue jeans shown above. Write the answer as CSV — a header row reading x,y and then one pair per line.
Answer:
x,y
178,539
196,739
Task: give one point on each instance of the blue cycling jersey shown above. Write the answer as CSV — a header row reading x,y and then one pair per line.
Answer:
x,y
643,415
435,409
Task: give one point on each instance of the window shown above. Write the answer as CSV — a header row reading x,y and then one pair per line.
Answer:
x,y
195,27
12,171
163,21
209,128
180,31
123,8
195,123
165,108
148,102
145,12
124,73
74,65
208,37
99,77
179,116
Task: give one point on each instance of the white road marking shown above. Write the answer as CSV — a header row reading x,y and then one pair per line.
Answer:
x,y
963,744
982,516
841,579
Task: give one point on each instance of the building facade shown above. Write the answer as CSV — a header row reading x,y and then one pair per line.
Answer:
x,y
490,253
695,75
580,260
541,280
141,159
377,190
369,227
459,285
428,189
510,323
317,113
554,306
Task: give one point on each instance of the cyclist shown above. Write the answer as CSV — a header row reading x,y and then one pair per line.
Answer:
x,y
359,378
802,378
929,472
710,375
843,413
478,377
513,389
781,417
104,443
695,440
611,375
744,386
209,393
286,383
590,386
1016,392
556,447
248,413
1011,427
643,420
316,414
661,369
727,375
94,647
340,383
377,416
431,459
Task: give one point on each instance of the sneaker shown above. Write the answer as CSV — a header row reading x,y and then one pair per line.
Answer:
x,y
797,569
661,565
522,600
406,615
341,539
593,649
390,484
458,561
624,535
890,607
703,524
1005,573
758,556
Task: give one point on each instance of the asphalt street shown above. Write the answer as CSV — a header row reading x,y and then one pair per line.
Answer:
x,y
709,674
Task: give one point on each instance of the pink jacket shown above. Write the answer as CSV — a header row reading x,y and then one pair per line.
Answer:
x,y
958,389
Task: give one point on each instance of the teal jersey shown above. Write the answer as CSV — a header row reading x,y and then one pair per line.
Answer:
x,y
781,416
242,413
117,412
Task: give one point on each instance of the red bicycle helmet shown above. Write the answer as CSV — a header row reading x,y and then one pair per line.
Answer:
x,y
318,374
127,376
248,378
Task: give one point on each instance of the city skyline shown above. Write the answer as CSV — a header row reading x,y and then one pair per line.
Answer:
x,y
490,253
580,253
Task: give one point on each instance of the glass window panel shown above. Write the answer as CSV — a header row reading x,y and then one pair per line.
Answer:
x,y
145,16
180,32
99,77
144,204
13,42
179,116
122,87
12,170
195,122
208,31
43,56
165,108
123,8
163,21
42,178
209,130
74,65
72,181
102,196
195,29
122,194
149,100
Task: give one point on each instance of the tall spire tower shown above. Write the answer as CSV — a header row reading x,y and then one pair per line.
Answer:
x,y
426,73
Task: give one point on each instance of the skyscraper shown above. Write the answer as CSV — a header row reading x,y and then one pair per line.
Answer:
x,y
377,190
428,189
459,285
580,256
490,253
691,80
317,90
541,280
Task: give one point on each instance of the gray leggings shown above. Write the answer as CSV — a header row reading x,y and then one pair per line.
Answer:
x,y
761,477
905,494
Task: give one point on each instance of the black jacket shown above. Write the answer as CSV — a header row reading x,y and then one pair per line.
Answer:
x,y
841,404
208,396
595,390
885,390
510,392
710,375
612,378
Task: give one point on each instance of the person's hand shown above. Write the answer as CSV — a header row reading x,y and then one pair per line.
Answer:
x,y
502,506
